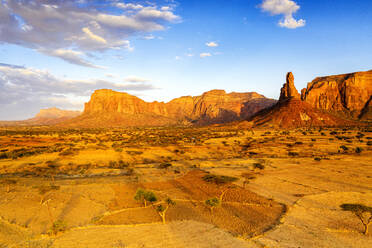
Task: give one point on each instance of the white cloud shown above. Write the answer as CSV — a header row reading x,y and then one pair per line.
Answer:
x,y
212,44
290,22
204,55
149,37
94,37
64,25
73,57
286,8
150,13
134,79
128,6
26,90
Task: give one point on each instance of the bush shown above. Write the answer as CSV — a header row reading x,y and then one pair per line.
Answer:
x,y
258,166
164,165
293,154
358,150
344,148
58,226
217,179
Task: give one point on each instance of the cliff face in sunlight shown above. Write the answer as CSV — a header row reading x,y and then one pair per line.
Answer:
x,y
346,95
111,108
292,112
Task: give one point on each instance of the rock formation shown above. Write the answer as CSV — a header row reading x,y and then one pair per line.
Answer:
x,y
289,90
366,113
346,95
292,112
111,108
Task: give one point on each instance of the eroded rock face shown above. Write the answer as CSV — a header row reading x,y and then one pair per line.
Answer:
x,y
289,90
291,112
345,94
215,106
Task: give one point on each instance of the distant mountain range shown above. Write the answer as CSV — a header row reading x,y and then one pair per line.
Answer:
x,y
50,116
326,101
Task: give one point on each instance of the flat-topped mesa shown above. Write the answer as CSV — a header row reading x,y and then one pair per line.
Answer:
x,y
110,108
289,90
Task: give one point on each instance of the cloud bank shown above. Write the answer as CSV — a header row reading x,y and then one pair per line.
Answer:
x,y
70,29
284,7
26,90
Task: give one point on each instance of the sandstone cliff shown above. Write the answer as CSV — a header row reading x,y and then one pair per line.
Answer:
x,y
291,112
346,95
111,108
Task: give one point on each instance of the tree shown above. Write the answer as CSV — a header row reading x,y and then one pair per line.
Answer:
x,y
163,210
247,177
364,213
145,196
212,203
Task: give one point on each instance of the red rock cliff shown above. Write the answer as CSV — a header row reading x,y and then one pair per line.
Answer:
x,y
346,94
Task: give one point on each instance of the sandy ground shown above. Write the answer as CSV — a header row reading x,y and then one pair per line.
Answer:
x,y
318,221
312,191
176,234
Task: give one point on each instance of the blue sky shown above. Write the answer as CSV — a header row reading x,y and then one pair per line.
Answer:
x,y
56,53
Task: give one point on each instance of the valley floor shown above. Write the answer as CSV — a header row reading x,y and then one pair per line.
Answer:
x,y
289,188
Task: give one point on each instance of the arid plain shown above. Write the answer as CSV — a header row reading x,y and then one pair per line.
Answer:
x,y
76,188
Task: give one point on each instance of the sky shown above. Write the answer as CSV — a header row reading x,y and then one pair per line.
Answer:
x,y
56,53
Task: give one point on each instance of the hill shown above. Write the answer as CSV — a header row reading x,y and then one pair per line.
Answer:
x,y
50,116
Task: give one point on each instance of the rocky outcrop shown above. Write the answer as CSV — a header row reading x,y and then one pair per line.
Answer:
x,y
346,95
289,90
366,113
292,112
111,108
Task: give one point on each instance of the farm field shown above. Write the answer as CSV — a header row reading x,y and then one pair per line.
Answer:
x,y
63,187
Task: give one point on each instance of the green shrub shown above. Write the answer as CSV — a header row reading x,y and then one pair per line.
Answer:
x,y
217,179
145,196
58,226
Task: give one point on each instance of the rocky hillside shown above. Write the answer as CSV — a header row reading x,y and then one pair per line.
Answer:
x,y
292,112
48,116
346,95
110,108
